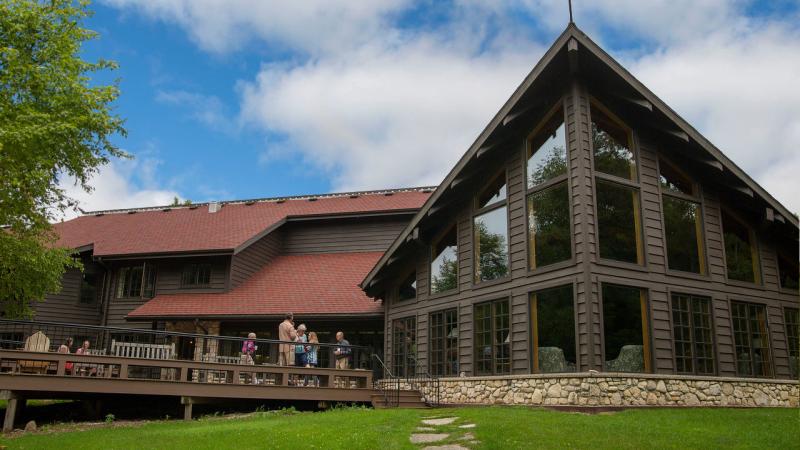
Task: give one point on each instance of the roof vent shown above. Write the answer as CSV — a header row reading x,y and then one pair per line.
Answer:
x,y
388,194
132,212
312,199
99,215
166,210
281,201
251,202
214,207
193,207
354,196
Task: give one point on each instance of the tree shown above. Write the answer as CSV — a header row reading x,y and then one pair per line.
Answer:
x,y
54,123
177,202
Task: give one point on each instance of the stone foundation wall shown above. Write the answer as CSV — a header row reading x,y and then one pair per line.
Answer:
x,y
603,389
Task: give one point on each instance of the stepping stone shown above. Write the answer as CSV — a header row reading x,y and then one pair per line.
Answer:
x,y
445,447
424,438
426,429
440,421
467,425
467,437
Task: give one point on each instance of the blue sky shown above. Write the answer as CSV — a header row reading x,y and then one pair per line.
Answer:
x,y
244,99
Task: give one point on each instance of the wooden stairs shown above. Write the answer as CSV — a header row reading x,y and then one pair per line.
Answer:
x,y
407,399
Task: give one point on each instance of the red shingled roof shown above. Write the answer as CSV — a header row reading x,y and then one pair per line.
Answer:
x,y
316,284
184,229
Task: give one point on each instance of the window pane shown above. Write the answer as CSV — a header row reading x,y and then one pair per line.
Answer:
x,y
692,333
702,335
612,148
682,334
622,327
483,339
738,250
444,264
408,288
547,153
788,268
149,281
549,232
792,322
444,343
751,339
404,346
673,180
618,222
493,193
491,253
682,228
88,291
555,330
133,282
502,338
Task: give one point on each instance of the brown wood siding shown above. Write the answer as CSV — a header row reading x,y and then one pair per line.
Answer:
x,y
586,272
256,256
342,235
65,306
170,271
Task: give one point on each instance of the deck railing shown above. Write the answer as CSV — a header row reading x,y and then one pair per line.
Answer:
x,y
171,345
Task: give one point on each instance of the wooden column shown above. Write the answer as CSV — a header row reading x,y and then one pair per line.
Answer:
x,y
14,406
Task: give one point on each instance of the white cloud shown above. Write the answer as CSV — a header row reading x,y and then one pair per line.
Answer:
x,y
120,184
206,109
307,25
372,117
367,99
740,91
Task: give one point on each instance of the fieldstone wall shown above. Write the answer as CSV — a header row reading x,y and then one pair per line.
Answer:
x,y
604,389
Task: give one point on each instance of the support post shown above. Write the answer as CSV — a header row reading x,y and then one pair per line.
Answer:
x,y
187,411
14,405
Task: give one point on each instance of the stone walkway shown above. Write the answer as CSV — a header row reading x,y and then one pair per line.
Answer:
x,y
434,429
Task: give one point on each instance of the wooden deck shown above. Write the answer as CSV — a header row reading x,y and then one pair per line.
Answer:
x,y
26,375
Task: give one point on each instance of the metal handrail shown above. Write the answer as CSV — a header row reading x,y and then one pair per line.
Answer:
x,y
381,385
424,374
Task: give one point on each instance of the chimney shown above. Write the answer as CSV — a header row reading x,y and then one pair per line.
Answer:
x,y
214,207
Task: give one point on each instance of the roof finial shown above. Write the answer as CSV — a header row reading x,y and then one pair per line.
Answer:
x,y
570,11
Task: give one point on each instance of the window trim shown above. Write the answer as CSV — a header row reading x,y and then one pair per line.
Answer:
x,y
778,254
534,324
454,309
633,142
143,283
532,269
737,299
95,299
416,343
492,301
644,302
432,245
755,250
715,372
485,210
700,228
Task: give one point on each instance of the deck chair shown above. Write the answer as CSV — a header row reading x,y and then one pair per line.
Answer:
x,y
37,342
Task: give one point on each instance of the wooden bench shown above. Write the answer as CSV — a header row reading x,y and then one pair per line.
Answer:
x,y
146,351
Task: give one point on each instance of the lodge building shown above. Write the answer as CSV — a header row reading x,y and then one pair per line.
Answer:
x,y
588,228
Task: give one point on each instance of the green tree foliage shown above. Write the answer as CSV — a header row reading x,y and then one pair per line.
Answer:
x,y
492,252
54,123
177,202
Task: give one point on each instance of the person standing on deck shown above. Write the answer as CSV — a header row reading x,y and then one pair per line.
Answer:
x,y
286,333
342,352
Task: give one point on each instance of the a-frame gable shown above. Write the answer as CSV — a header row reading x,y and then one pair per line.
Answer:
x,y
564,56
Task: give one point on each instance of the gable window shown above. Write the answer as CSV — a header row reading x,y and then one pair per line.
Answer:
x,y
408,288
553,326
88,291
683,227
626,343
136,281
404,347
444,262
616,188
490,228
741,257
444,343
612,145
549,231
492,338
791,317
196,275
692,334
751,338
788,269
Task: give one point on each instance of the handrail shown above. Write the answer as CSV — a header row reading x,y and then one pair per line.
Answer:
x,y
384,385
121,330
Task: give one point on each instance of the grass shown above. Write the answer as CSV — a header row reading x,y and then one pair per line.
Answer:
x,y
497,427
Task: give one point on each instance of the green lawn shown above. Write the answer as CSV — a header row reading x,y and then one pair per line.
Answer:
x,y
497,427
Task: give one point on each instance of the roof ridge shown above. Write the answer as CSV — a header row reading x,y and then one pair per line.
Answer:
x,y
426,189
